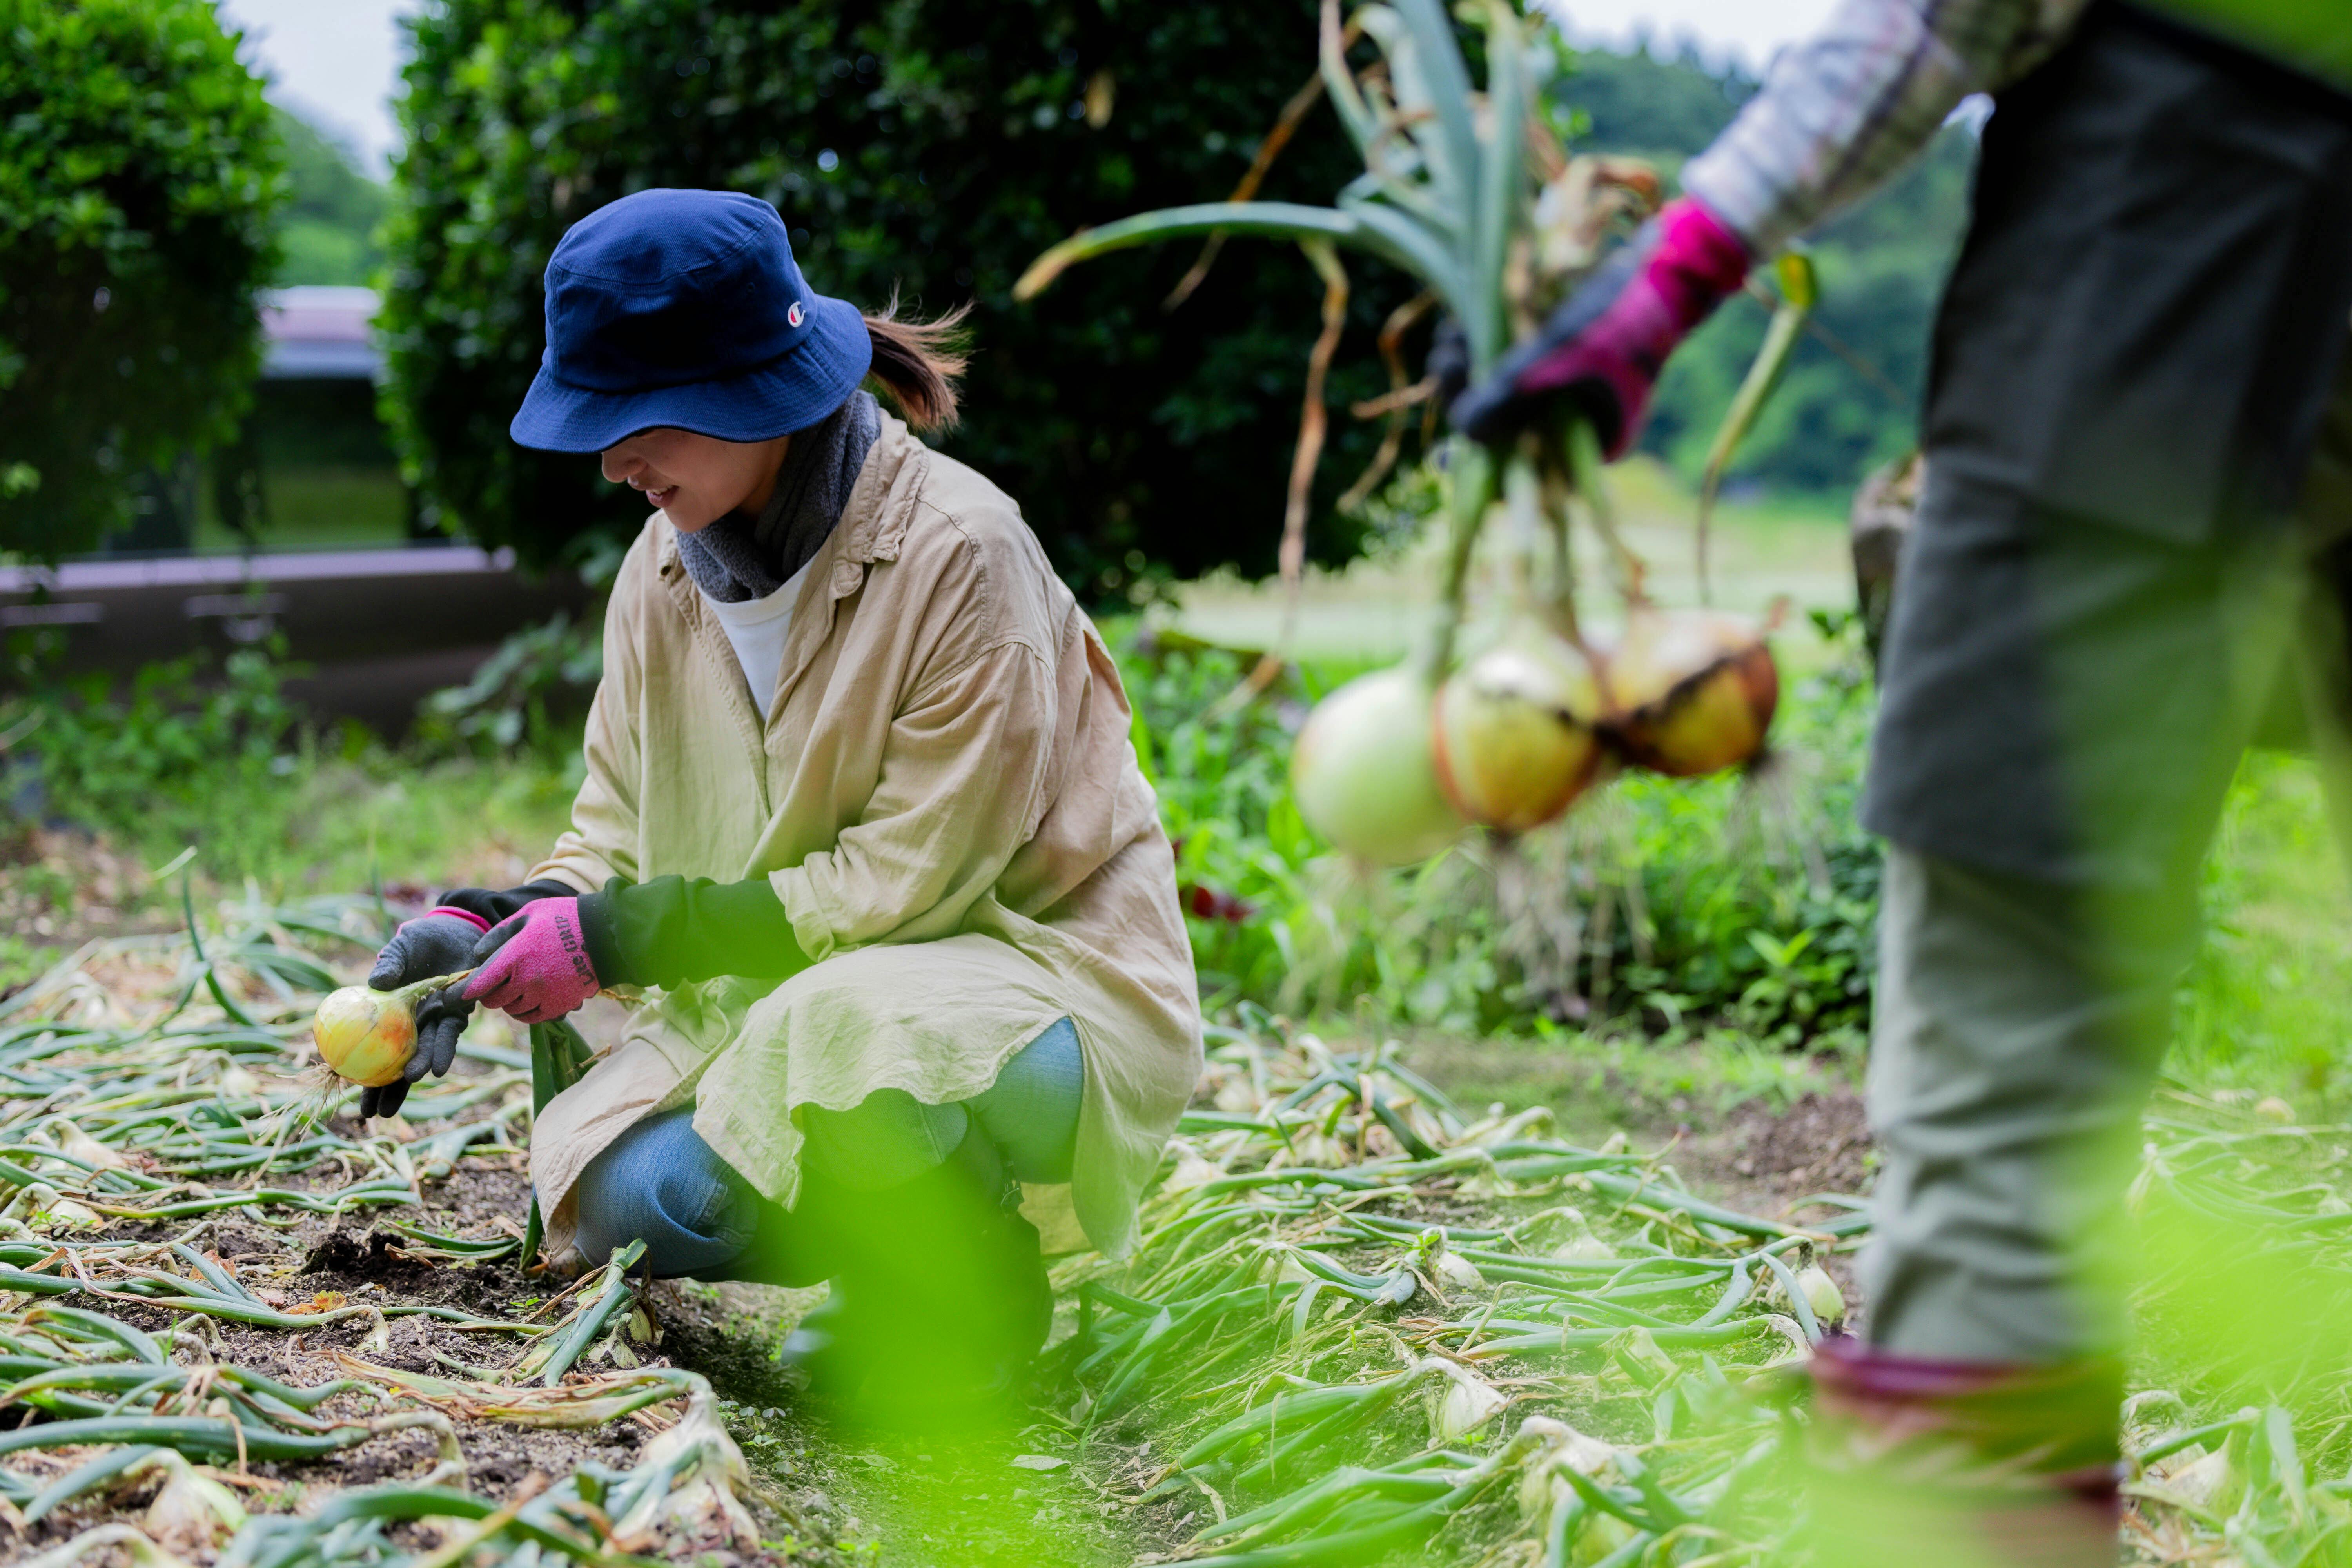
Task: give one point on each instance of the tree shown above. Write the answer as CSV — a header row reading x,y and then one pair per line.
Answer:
x,y
327,232
139,173
928,147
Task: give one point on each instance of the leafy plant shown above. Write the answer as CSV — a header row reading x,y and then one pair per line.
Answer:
x,y
1447,195
328,230
142,173
180,754
534,689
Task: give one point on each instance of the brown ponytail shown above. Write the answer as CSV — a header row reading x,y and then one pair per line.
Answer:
x,y
918,362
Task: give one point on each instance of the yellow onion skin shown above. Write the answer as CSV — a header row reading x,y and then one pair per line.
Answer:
x,y
1513,732
1364,776
1690,691
365,1035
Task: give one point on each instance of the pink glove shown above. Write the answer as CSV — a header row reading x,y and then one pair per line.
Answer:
x,y
1604,347
533,966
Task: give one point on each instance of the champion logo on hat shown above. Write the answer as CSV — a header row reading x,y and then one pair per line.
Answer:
x,y
794,314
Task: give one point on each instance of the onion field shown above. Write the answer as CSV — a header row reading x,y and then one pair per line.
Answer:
x,y
1365,1324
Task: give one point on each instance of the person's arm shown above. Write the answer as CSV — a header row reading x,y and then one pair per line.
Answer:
x,y
543,977
672,931
601,841
965,778
1841,112
1849,106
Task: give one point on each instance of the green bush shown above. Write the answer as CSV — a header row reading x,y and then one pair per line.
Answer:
x,y
928,146
533,691
139,173
184,753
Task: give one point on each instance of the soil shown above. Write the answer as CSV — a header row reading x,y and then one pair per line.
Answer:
x,y
1765,1157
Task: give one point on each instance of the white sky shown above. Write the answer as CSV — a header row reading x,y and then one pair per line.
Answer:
x,y
335,62
1752,30
338,61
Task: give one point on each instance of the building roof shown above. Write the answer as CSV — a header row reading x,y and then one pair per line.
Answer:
x,y
315,332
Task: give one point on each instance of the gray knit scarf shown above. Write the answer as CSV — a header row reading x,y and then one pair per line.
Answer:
x,y
740,557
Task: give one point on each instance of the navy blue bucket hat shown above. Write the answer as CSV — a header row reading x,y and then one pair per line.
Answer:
x,y
685,308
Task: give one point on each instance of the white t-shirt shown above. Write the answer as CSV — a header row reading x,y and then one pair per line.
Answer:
x,y
757,629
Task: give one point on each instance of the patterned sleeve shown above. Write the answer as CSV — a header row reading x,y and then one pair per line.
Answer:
x,y
1848,106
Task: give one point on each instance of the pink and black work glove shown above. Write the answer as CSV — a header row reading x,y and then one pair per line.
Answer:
x,y
440,942
1601,350
534,966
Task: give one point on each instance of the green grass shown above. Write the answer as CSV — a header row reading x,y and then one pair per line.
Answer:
x,y
2268,1004
322,508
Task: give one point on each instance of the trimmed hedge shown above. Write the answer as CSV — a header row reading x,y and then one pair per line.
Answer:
x,y
931,147
139,177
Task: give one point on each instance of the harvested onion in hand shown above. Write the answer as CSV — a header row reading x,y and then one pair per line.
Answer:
x,y
1692,690
1514,731
367,1036
1363,774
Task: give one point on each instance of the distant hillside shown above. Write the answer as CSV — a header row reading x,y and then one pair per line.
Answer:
x,y
328,231
1882,267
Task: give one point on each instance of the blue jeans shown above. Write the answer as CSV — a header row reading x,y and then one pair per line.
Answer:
x,y
660,1181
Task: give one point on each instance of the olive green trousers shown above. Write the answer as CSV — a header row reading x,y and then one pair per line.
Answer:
x,y
2020,1023
2014,1045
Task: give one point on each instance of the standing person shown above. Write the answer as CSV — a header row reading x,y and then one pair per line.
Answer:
x,y
2138,441
860,800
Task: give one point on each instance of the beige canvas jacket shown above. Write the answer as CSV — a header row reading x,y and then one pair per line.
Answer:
x,y
945,796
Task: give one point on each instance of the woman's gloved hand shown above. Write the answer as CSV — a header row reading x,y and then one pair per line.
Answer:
x,y
441,943
1603,348
534,966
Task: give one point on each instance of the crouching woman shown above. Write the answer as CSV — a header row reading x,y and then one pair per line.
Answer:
x,y
861,810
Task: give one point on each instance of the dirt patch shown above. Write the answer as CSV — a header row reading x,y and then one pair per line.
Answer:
x,y
1765,1157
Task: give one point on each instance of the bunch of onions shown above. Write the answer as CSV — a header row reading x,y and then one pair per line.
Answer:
x,y
1364,775
367,1036
1392,774
1689,692
1515,732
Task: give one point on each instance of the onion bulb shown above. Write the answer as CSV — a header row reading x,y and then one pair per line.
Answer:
x,y
77,1145
1822,1295
1514,737
1462,1401
191,1513
705,1466
1690,691
366,1036
1364,776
